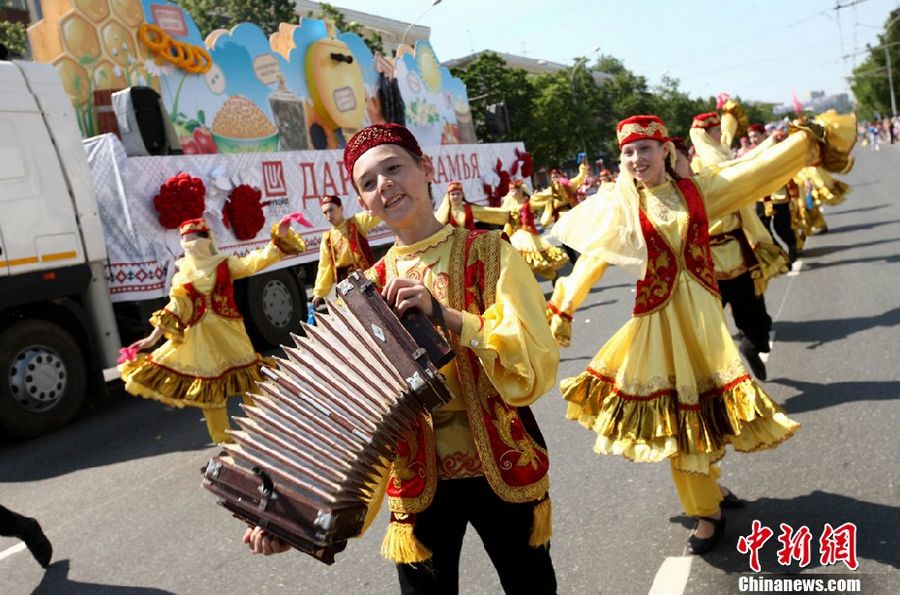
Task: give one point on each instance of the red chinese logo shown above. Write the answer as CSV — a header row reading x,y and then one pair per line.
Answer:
x,y
751,544
835,545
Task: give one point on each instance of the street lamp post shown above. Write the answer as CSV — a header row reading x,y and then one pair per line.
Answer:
x,y
887,59
420,17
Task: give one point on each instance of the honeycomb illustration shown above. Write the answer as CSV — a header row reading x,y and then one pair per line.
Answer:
x,y
95,45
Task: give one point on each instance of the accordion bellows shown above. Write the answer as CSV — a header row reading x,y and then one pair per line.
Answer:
x,y
322,429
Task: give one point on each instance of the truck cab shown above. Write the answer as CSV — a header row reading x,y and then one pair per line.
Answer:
x,y
57,330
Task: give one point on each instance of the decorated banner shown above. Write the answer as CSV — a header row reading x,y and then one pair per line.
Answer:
x,y
307,87
142,247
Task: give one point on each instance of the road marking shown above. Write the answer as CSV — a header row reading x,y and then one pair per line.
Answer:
x,y
12,550
672,576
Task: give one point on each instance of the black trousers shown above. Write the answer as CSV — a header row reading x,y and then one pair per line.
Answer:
x,y
7,522
504,529
781,222
748,309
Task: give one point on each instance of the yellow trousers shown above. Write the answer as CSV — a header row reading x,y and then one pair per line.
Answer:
x,y
217,422
699,494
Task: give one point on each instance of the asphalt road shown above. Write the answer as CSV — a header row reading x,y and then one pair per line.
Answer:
x,y
119,491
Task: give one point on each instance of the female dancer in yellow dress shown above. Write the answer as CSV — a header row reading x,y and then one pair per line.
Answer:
x,y
544,258
459,212
670,383
208,356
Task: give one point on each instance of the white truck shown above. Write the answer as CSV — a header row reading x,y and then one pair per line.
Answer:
x,y
84,260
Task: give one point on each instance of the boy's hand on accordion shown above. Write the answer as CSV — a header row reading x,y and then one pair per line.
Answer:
x,y
403,294
261,542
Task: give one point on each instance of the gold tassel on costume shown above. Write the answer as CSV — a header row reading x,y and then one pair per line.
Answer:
x,y
542,529
401,546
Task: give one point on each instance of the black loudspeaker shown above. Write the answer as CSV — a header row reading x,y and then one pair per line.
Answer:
x,y
149,116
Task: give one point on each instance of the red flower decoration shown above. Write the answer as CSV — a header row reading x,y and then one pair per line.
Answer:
x,y
244,212
180,198
525,159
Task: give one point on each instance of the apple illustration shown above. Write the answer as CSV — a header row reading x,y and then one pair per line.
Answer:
x,y
204,140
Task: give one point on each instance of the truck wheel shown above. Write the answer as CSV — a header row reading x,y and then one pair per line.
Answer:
x,y
45,378
276,306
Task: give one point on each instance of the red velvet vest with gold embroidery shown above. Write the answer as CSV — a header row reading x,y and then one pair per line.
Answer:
x,y
468,222
511,449
526,217
663,264
221,298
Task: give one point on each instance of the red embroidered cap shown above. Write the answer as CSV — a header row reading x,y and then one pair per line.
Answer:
x,y
707,120
378,134
330,199
641,127
193,226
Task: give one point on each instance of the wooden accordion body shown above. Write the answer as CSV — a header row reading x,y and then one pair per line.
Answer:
x,y
322,429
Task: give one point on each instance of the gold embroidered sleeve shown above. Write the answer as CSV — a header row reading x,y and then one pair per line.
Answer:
x,y
570,291
735,184
579,179
511,338
244,266
541,199
171,318
291,243
492,215
365,222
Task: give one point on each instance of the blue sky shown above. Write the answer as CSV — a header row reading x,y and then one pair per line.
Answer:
x,y
760,50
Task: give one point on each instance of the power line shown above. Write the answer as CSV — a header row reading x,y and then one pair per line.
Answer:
x,y
749,39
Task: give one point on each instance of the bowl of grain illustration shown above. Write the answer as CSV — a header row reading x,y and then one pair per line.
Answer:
x,y
240,126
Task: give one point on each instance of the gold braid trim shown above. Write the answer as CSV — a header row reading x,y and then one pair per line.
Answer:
x,y
648,131
411,505
145,378
654,427
401,546
485,249
291,243
542,526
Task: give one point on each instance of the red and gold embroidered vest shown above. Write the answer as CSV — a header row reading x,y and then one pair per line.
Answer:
x,y
468,223
663,264
221,298
359,249
511,449
526,217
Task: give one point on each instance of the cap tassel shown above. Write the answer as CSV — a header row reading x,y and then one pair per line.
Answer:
x,y
401,546
542,529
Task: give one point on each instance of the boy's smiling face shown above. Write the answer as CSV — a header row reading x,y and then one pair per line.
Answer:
x,y
392,185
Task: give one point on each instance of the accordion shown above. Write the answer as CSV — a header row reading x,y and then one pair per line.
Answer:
x,y
311,449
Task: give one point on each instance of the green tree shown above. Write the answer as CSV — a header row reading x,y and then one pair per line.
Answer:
x,y
488,82
210,15
328,12
870,82
12,35
677,108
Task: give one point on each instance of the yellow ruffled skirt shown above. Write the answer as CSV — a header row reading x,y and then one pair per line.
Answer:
x,y
672,383
543,257
213,361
